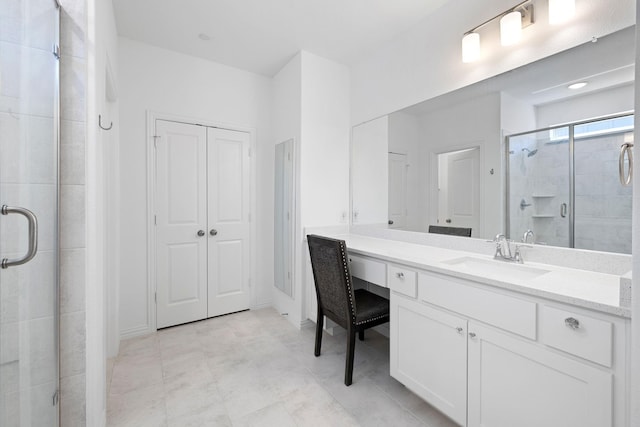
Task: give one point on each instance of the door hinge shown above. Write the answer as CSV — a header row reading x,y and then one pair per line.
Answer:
x,y
155,297
249,216
289,156
155,140
56,397
56,51
249,151
155,220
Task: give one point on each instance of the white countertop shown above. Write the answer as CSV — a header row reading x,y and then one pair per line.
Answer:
x,y
592,290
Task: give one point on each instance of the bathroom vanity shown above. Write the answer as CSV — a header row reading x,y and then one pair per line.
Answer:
x,y
491,343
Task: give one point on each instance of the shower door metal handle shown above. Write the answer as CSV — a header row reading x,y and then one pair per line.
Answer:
x,y
563,210
33,235
626,149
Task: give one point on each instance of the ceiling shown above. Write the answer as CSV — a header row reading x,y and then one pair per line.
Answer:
x,y
261,36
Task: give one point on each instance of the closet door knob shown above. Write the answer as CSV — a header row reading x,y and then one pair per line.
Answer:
x,y
200,233
213,232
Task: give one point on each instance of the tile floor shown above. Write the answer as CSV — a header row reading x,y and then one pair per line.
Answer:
x,y
255,369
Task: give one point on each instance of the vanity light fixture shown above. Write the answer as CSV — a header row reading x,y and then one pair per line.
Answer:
x,y
512,21
561,11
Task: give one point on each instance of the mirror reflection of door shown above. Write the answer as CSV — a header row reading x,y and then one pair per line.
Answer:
x,y
459,189
397,190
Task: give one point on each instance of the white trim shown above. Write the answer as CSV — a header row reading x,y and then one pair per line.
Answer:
x,y
152,116
136,332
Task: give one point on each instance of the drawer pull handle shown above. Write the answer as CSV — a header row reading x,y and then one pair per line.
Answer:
x,y
472,335
400,275
572,323
460,330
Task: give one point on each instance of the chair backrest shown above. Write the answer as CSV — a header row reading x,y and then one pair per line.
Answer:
x,y
453,231
332,277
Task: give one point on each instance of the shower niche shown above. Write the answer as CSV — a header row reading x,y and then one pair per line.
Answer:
x,y
562,183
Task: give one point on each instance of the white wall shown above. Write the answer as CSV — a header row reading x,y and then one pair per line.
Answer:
x,y
287,122
474,123
587,106
311,105
163,81
102,44
324,153
426,60
403,138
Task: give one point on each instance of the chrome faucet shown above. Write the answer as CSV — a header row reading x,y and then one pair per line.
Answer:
x,y
526,235
503,250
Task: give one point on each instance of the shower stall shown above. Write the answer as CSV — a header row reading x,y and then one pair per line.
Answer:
x,y
29,84
563,184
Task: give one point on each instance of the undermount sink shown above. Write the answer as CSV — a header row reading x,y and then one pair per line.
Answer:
x,y
495,268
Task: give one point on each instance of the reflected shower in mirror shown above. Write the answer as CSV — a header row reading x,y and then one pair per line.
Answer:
x,y
539,95
563,185
284,210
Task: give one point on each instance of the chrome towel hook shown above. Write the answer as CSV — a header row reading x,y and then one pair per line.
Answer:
x,y
100,123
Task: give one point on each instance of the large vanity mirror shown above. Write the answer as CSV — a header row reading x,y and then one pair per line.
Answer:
x,y
520,151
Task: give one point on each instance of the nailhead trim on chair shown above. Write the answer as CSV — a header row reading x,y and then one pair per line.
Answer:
x,y
371,320
346,274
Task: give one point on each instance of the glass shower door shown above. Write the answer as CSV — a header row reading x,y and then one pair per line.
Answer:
x,y
538,194
28,219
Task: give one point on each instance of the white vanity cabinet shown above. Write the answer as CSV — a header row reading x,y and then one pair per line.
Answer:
x,y
429,354
517,383
495,358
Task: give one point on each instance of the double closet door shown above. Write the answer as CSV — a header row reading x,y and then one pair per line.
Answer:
x,y
202,222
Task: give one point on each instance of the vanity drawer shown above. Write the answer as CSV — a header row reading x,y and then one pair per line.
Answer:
x,y
402,280
509,313
368,270
575,333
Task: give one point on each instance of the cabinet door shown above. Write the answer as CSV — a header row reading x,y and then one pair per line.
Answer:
x,y
429,355
516,383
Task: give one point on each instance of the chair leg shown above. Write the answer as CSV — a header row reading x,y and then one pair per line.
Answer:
x,y
351,346
319,327
361,334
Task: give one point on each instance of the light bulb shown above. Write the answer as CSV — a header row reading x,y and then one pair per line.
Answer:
x,y
510,28
470,47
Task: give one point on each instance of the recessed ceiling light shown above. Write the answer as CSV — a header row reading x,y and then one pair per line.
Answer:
x,y
203,36
578,85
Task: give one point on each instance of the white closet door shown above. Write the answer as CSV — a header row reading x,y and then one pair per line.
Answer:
x,y
181,203
229,227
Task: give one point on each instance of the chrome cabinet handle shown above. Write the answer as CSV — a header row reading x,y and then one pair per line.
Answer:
x,y
400,275
460,330
33,235
200,233
626,149
472,335
572,323
213,232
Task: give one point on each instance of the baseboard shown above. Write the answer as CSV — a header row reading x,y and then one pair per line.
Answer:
x,y
135,332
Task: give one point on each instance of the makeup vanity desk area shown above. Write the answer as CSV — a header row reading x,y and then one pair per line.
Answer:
x,y
491,343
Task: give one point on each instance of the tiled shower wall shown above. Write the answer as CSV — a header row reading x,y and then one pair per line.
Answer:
x,y
602,204
73,78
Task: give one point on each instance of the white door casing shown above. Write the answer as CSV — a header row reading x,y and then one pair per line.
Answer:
x,y
181,211
229,227
397,190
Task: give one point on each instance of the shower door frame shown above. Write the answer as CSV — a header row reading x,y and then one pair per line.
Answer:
x,y
572,179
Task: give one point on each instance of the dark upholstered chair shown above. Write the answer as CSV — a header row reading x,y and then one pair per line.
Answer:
x,y
453,231
354,310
